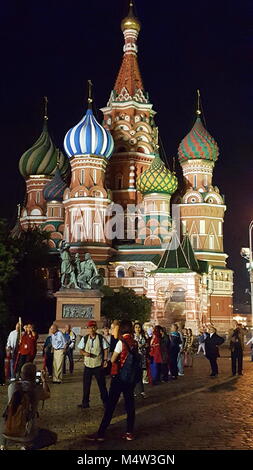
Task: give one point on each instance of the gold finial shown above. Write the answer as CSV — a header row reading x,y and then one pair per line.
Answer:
x,y
131,22
198,104
45,108
90,100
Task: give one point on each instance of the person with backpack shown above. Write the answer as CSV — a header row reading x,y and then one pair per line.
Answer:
x,y
21,413
94,348
126,372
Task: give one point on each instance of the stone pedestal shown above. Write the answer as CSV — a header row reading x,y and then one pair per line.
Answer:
x,y
76,307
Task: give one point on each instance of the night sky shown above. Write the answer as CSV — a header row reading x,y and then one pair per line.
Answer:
x,y
53,47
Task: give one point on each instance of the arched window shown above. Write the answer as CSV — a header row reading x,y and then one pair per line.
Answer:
x,y
119,182
211,242
121,272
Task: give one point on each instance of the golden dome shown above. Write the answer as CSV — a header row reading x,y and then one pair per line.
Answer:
x,y
130,22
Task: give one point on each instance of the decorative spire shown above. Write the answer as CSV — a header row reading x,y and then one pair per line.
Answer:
x,y
129,84
198,112
45,113
90,99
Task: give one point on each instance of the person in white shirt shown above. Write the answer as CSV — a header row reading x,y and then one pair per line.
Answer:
x,y
95,349
12,350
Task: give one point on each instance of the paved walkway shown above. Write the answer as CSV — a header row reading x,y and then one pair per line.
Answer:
x,y
194,412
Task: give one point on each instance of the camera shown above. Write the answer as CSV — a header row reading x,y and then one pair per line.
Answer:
x,y
38,378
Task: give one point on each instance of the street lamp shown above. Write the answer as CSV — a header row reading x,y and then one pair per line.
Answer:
x,y
247,253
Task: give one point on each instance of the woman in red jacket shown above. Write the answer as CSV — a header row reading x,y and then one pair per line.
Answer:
x,y
156,355
27,347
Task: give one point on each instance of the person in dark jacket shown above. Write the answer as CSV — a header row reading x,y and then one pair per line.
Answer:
x,y
175,342
212,341
236,344
165,347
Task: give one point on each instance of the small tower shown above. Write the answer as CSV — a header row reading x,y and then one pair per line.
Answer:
x,y
38,165
156,184
129,117
202,208
88,146
53,195
202,214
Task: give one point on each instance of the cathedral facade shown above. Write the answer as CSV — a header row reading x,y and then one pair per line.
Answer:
x,y
110,194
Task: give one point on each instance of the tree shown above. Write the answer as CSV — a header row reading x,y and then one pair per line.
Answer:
x,y
125,303
27,293
8,260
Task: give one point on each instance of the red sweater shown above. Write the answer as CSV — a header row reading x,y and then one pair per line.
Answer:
x,y
28,344
116,366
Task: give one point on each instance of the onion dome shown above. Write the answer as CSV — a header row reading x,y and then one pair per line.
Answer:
x,y
41,158
55,188
130,22
198,144
157,179
88,137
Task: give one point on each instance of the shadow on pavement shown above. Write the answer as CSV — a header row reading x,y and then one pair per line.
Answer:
x,y
227,386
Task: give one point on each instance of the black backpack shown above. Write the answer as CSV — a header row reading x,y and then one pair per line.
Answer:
x,y
130,372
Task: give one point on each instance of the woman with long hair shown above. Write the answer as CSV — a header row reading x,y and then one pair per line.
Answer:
x,y
125,343
188,358
139,337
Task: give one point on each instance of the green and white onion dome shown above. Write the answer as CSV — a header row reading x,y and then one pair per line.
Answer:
x,y
42,157
157,179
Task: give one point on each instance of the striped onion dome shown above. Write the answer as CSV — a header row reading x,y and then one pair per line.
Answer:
x,y
198,144
88,137
41,158
157,179
55,188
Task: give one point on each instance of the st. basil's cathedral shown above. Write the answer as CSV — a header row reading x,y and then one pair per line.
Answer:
x,y
178,261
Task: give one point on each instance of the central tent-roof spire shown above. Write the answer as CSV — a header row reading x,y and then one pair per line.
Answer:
x,y
129,78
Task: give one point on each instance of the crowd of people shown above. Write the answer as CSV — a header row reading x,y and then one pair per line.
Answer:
x,y
131,355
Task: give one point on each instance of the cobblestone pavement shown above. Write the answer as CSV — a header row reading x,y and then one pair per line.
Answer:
x,y
194,412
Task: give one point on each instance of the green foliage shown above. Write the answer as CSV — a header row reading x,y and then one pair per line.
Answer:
x,y
28,290
8,261
8,253
125,303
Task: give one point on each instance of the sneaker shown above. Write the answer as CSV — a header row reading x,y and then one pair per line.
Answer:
x,y
94,437
180,375
144,395
2,447
128,436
